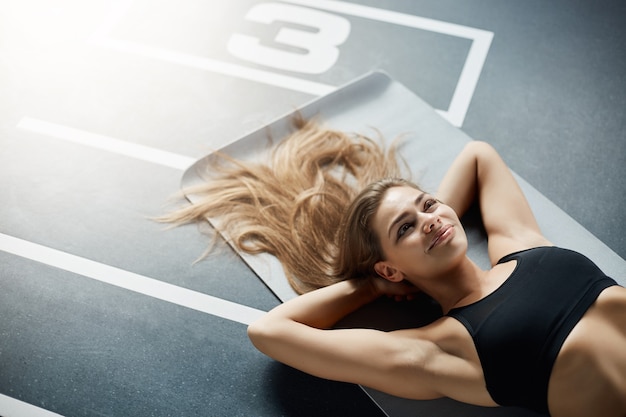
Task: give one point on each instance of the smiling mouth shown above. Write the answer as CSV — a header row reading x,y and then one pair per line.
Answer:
x,y
441,234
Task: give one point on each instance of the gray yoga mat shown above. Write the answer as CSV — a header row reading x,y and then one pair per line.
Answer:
x,y
376,103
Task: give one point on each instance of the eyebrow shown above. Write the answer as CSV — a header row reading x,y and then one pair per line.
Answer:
x,y
404,214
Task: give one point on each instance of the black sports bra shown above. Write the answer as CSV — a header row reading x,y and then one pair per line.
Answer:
x,y
518,330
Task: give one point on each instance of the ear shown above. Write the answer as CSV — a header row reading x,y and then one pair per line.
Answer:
x,y
388,271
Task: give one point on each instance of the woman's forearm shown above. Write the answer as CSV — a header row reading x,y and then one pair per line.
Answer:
x,y
280,333
324,307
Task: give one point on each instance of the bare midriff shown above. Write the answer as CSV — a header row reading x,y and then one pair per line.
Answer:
x,y
589,375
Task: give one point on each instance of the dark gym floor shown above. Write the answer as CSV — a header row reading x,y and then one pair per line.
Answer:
x,y
104,103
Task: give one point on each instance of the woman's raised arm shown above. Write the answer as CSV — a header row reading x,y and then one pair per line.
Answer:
x,y
479,172
298,333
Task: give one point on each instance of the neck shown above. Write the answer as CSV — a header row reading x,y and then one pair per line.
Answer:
x,y
453,288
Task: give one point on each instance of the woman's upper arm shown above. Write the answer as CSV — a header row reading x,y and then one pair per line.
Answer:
x,y
479,172
508,219
372,358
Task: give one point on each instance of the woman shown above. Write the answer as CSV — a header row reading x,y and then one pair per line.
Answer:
x,y
542,329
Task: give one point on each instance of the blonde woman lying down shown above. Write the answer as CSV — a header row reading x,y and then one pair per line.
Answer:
x,y
542,329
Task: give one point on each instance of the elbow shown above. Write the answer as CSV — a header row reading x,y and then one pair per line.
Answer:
x,y
261,335
481,149
255,333
274,337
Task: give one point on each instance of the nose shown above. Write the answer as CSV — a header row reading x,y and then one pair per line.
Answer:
x,y
430,223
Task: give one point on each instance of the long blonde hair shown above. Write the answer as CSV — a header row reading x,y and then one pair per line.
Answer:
x,y
293,205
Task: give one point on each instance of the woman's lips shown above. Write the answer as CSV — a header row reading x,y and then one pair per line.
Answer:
x,y
441,235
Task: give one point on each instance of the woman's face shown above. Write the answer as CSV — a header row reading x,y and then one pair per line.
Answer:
x,y
420,237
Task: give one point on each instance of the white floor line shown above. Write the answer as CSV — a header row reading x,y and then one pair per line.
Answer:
x,y
10,407
109,274
391,16
468,79
130,281
106,143
216,66
459,103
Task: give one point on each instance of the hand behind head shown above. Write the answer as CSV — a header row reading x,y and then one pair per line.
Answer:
x,y
401,291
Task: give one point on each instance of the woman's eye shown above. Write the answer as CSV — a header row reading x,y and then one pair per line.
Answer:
x,y
403,229
428,204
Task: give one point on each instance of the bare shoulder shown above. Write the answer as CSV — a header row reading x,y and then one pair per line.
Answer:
x,y
448,335
453,366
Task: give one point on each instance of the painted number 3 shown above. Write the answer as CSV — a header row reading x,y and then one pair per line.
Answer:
x,y
319,45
